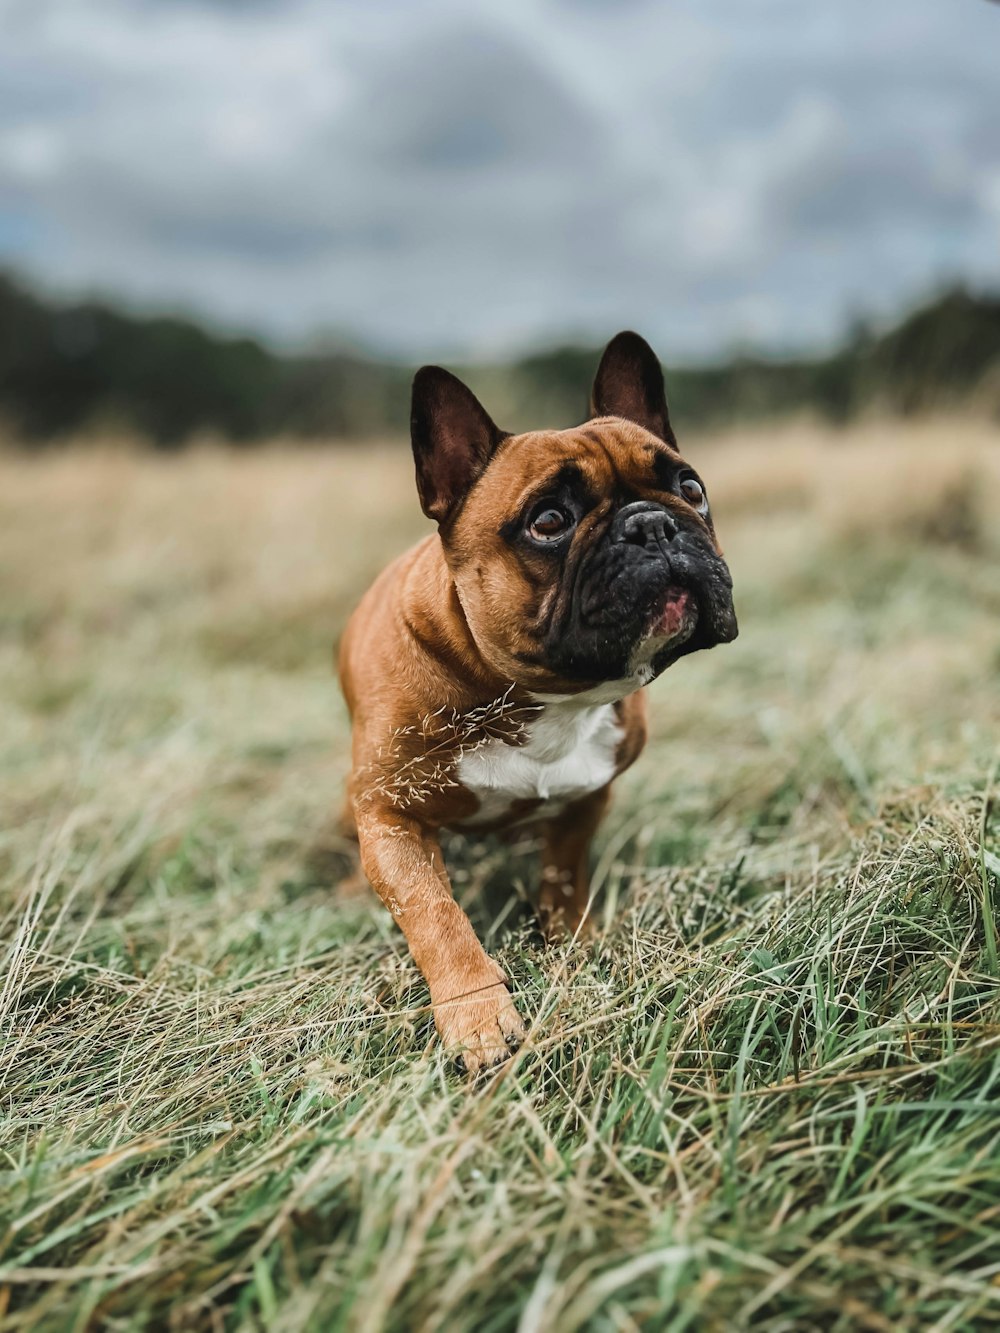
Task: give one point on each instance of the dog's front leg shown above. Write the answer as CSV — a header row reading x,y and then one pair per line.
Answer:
x,y
472,1006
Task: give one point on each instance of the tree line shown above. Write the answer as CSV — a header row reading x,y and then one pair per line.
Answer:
x,y
67,368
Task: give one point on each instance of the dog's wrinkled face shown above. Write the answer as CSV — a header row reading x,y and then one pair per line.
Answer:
x,y
584,557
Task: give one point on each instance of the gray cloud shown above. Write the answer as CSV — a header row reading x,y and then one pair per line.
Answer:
x,y
446,181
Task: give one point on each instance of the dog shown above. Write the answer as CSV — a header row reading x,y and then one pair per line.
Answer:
x,y
494,672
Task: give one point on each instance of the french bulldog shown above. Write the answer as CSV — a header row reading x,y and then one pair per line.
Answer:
x,y
495,672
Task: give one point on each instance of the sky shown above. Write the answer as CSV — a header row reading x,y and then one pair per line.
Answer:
x,y
435,178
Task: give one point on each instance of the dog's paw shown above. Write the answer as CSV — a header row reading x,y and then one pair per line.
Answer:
x,y
566,925
478,1022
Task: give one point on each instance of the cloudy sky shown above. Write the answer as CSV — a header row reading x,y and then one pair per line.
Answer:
x,y
437,177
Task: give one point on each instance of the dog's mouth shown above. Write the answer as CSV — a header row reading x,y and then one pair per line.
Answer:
x,y
676,613
670,627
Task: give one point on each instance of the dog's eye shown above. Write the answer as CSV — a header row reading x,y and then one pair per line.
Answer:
x,y
693,491
549,522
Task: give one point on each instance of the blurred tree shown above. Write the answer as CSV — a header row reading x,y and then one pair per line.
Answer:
x,y
66,368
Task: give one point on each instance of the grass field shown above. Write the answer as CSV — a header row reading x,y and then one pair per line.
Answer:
x,y
769,1097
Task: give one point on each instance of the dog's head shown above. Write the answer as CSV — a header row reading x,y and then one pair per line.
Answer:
x,y
583,558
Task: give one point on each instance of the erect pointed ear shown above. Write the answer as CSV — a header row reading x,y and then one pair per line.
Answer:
x,y
453,439
629,384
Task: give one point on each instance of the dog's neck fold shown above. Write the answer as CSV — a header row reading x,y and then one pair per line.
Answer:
x,y
433,612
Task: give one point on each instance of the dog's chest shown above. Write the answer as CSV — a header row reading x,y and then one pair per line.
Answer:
x,y
570,751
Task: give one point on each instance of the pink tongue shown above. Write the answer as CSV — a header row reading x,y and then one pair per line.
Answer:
x,y
671,618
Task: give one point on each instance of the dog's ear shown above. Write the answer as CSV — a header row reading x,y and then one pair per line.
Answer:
x,y
453,439
629,384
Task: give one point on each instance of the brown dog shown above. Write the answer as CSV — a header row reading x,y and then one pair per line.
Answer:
x,y
494,671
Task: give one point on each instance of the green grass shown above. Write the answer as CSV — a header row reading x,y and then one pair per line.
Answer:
x,y
769,1096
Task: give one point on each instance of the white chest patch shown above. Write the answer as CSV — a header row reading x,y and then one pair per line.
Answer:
x,y
570,751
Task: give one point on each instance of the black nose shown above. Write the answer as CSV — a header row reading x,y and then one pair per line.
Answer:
x,y
644,523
